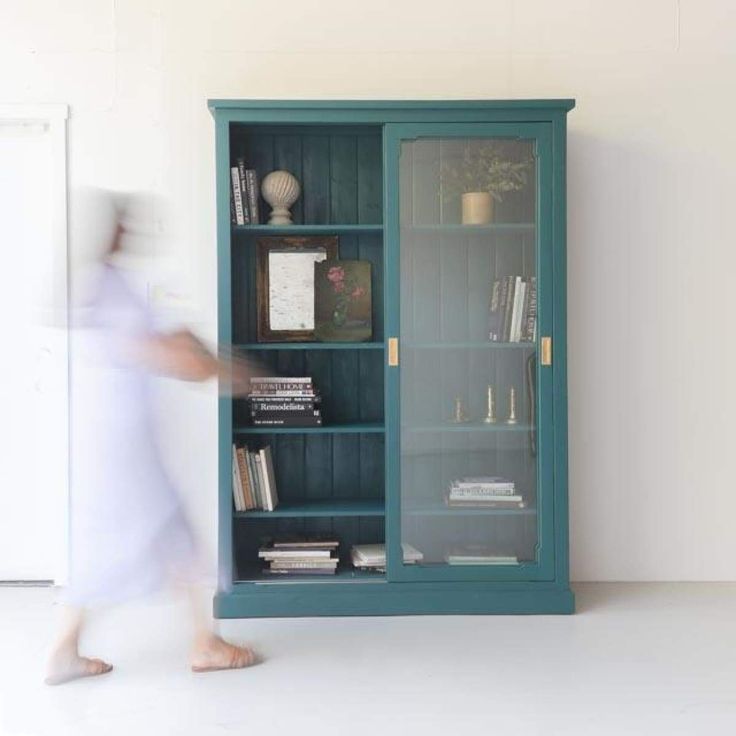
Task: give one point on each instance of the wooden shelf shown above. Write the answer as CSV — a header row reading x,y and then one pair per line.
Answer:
x,y
487,345
494,227
442,510
326,429
296,229
500,426
310,346
320,507
345,573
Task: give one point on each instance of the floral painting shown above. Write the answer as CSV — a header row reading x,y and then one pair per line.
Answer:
x,y
342,301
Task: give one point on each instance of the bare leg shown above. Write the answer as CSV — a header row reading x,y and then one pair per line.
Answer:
x,y
209,651
65,663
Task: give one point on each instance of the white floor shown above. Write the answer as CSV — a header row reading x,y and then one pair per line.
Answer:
x,y
636,659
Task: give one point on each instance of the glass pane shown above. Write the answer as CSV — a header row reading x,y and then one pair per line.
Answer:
x,y
468,351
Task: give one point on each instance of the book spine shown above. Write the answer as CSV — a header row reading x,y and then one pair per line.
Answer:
x,y
284,410
494,311
243,190
285,414
257,495
531,318
237,196
508,309
282,395
236,482
300,387
288,422
524,312
244,480
261,480
480,491
253,194
279,379
277,403
516,317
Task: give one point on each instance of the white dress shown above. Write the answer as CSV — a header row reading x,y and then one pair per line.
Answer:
x,y
129,534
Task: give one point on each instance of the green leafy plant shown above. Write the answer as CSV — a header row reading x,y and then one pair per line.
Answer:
x,y
484,167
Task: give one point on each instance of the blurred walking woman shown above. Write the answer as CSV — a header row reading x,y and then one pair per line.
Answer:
x,y
129,533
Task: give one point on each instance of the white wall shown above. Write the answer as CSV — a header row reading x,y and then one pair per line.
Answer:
x,y
652,178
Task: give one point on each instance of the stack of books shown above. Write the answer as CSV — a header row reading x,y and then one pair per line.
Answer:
x,y
243,194
485,491
301,555
284,402
513,309
373,556
478,555
254,483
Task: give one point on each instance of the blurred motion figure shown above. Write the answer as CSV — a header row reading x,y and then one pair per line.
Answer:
x,y
129,533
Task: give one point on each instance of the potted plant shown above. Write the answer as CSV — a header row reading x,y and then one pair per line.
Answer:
x,y
483,173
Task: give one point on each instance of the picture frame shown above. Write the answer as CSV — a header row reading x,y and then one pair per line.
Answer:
x,y
343,296
285,285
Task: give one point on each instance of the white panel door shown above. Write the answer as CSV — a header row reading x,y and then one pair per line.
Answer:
x,y
33,371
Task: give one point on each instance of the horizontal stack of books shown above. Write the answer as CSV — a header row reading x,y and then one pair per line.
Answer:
x,y
373,556
486,491
513,309
243,194
284,402
301,556
254,483
478,555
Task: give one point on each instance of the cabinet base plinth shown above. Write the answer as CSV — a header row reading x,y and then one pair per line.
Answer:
x,y
249,600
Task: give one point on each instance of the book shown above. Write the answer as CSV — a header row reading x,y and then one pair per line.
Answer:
x,y
257,479
531,318
244,479
266,402
374,555
305,542
284,409
519,287
496,503
243,190
237,196
237,485
269,553
267,464
479,496
253,190
259,380
302,563
494,311
508,308
288,422
469,558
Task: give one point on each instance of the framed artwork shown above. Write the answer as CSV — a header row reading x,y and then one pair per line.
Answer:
x,y
342,308
285,285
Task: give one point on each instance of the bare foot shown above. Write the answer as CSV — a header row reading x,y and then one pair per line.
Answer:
x,y
211,653
66,667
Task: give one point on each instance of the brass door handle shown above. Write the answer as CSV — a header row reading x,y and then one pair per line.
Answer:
x,y
546,351
393,351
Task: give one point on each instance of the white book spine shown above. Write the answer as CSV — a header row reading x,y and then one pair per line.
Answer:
x,y
237,484
237,196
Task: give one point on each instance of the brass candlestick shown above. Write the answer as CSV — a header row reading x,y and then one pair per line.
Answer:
x,y
512,406
490,417
459,416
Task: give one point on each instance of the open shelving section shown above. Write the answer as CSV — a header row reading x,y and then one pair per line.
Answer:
x,y
330,478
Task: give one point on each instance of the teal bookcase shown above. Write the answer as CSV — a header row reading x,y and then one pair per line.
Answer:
x,y
406,415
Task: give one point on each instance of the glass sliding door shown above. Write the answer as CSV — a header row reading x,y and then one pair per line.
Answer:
x,y
472,474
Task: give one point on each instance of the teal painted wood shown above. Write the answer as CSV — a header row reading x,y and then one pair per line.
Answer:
x,y
559,360
299,229
224,337
325,429
418,109
321,507
313,125
364,598
543,567
311,346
